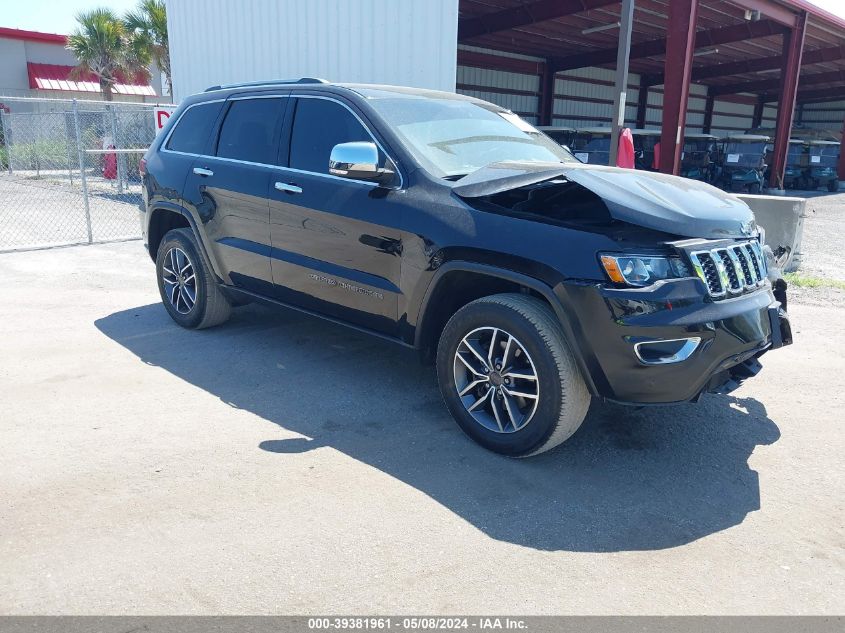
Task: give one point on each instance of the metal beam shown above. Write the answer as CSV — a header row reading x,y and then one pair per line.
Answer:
x,y
476,59
765,86
547,95
793,46
620,92
654,48
771,10
757,116
522,15
708,113
813,96
642,103
747,66
680,45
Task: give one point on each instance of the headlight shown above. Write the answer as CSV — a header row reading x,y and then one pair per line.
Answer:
x,y
642,270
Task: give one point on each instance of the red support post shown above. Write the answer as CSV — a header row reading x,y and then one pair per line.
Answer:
x,y
680,44
547,95
793,46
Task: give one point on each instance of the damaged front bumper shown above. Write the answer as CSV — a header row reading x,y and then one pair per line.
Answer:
x,y
730,379
670,343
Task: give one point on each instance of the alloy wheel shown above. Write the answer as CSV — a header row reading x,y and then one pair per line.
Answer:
x,y
180,281
496,380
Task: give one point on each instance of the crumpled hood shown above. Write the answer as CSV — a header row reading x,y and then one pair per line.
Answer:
x,y
675,205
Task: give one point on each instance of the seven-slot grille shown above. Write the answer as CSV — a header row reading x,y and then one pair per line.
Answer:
x,y
732,269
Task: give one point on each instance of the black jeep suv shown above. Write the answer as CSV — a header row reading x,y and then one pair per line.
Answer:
x,y
450,225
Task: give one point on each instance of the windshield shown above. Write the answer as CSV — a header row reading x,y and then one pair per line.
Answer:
x,y
696,145
746,148
824,155
452,137
749,154
591,149
599,144
794,154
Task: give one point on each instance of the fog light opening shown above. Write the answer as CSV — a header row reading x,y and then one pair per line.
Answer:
x,y
666,351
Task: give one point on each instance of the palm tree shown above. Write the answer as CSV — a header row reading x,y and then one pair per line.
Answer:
x,y
149,22
103,47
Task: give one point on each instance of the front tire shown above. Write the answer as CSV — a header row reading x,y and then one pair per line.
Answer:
x,y
188,289
508,377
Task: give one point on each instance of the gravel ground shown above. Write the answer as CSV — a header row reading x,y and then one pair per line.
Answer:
x,y
824,235
38,213
822,247
280,464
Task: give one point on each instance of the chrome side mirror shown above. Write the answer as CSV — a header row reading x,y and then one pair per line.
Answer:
x,y
358,161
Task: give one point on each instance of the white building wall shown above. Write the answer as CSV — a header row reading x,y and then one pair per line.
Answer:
x,y
374,41
730,117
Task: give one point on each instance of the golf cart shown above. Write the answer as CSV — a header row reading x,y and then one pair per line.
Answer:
x,y
742,162
644,142
796,162
696,158
820,169
560,135
592,145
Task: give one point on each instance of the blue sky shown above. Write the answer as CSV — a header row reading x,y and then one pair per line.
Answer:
x,y
57,16
54,16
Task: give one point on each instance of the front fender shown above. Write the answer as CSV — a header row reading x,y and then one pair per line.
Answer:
x,y
556,296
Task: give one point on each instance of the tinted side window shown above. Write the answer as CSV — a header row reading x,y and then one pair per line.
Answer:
x,y
193,129
249,130
318,126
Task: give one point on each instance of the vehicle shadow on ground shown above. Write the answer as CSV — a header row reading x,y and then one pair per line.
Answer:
x,y
628,480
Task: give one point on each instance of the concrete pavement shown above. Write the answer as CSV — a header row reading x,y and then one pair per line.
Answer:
x,y
281,464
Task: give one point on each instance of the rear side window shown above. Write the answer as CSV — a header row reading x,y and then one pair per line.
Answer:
x,y
194,128
249,131
318,126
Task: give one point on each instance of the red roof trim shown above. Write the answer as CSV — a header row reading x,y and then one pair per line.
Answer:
x,y
56,77
818,12
32,36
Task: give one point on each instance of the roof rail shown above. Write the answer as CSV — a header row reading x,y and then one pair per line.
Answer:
x,y
269,82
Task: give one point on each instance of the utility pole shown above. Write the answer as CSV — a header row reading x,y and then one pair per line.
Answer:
x,y
626,19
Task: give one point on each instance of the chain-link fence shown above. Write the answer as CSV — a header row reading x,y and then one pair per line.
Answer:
x,y
69,171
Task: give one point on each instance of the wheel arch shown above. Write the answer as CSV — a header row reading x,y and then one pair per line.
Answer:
x,y
165,217
457,283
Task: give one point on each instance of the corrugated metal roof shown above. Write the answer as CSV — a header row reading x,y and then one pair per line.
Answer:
x,y
572,36
56,77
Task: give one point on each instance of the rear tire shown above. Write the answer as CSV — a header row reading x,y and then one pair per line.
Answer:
x,y
188,289
519,416
833,185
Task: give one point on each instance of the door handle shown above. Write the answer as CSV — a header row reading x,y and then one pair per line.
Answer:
x,y
202,171
289,188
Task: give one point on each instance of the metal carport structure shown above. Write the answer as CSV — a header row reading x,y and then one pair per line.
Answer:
x,y
749,52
